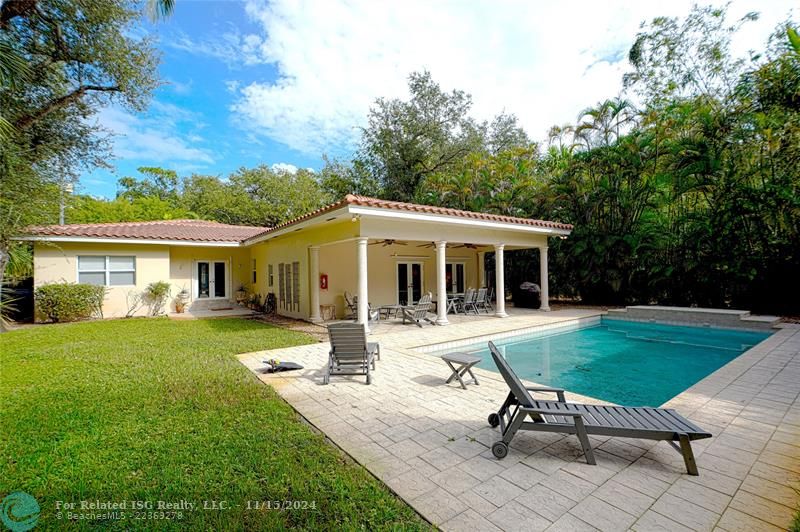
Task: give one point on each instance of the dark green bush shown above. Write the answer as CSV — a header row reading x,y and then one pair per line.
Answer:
x,y
69,301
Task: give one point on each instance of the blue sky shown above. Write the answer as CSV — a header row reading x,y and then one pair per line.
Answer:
x,y
189,126
282,82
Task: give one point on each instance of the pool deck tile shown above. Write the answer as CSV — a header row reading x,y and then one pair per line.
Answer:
x,y
429,442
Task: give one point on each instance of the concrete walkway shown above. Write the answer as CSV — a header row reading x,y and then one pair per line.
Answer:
x,y
430,442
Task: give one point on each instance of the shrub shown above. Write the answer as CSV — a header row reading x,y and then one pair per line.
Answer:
x,y
156,295
69,301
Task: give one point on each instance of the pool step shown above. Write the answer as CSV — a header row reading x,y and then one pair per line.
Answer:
x,y
704,317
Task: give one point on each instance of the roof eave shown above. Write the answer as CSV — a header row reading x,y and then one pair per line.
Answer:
x,y
115,240
456,220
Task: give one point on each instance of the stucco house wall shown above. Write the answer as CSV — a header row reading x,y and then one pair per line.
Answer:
x,y
58,263
183,274
294,247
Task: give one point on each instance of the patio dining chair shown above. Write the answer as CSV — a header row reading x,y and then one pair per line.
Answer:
x,y
373,315
489,298
350,352
454,303
480,301
470,301
350,302
418,313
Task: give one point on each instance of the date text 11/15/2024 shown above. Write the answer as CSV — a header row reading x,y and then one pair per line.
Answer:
x,y
282,505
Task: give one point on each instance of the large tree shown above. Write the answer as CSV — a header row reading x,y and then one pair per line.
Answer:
x,y
80,55
405,141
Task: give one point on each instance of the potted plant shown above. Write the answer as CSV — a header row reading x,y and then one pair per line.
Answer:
x,y
241,295
254,302
181,300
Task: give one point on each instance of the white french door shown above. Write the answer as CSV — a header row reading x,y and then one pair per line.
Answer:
x,y
211,279
409,282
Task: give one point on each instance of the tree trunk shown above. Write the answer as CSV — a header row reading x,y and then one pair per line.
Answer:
x,y
3,263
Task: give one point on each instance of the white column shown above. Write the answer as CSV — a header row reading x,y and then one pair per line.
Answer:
x,y
314,263
363,296
441,283
499,277
543,284
481,269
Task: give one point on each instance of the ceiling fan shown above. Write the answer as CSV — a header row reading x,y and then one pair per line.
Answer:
x,y
388,242
451,246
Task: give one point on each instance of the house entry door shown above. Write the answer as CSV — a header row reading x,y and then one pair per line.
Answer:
x,y
211,279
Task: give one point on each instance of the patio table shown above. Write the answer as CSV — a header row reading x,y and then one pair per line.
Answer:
x,y
453,301
390,311
465,363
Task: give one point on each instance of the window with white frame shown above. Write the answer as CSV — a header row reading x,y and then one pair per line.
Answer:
x,y
109,270
269,274
254,271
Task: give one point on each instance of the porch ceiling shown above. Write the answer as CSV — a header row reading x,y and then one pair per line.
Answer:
x,y
426,231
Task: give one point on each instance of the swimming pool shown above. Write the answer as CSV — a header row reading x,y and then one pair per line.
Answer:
x,y
624,362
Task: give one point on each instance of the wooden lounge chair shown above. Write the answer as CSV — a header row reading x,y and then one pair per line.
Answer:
x,y
585,419
350,352
419,313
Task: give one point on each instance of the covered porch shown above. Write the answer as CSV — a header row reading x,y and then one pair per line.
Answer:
x,y
394,262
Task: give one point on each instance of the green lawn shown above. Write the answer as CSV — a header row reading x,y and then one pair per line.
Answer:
x,y
154,409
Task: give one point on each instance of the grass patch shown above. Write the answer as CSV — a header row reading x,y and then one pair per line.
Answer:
x,y
155,409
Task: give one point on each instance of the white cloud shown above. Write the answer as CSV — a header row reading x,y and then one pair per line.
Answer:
x,y
284,168
179,87
157,137
232,48
543,62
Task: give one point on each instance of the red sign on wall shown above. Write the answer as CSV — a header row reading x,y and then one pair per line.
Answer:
x,y
323,281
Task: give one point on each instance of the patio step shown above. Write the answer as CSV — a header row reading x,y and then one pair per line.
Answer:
x,y
705,317
214,304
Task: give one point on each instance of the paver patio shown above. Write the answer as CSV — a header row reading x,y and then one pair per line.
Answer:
x,y
429,442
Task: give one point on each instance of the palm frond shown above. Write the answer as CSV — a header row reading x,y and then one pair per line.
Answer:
x,y
160,9
13,67
6,129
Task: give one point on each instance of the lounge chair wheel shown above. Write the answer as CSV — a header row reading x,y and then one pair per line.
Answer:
x,y
494,420
500,450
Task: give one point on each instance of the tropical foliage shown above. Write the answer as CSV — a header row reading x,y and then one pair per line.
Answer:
x,y
683,190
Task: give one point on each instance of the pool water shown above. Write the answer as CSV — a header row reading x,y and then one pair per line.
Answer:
x,y
623,362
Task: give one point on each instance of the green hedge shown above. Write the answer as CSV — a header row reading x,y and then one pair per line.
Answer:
x,y
69,301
